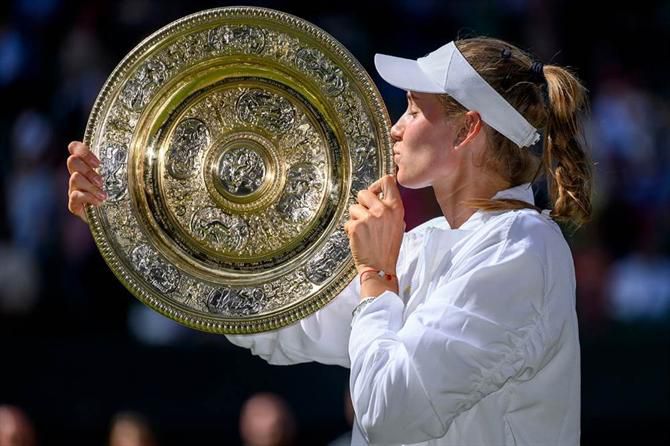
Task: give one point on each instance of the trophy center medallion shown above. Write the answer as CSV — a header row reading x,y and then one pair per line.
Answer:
x,y
241,170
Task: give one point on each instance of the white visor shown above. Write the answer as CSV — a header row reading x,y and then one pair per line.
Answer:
x,y
446,71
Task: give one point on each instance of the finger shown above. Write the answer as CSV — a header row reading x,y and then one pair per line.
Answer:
x,y
82,150
367,198
77,148
349,227
90,162
79,182
77,200
70,146
357,212
76,164
388,187
376,187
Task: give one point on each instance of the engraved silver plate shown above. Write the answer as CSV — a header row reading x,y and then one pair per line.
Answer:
x,y
232,143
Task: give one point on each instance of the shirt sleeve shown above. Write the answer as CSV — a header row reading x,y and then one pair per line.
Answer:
x,y
322,336
410,380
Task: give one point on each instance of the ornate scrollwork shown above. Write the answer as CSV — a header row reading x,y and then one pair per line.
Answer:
x,y
114,171
241,171
313,61
364,163
266,110
221,230
191,137
301,194
140,88
247,39
163,276
236,302
324,264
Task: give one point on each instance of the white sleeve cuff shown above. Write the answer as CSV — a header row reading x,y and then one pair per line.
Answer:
x,y
383,315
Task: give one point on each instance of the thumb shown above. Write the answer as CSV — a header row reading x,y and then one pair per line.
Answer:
x,y
389,188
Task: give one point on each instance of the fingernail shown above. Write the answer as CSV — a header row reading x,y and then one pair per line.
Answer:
x,y
101,195
98,181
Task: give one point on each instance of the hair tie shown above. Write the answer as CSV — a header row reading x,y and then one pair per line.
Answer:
x,y
505,53
537,70
537,75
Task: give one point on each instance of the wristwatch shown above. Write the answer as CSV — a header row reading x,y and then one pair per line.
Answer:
x,y
361,305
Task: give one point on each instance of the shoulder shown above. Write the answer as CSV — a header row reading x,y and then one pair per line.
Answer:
x,y
536,233
534,242
523,230
521,239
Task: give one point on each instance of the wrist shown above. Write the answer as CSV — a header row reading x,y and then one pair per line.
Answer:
x,y
373,285
371,273
363,268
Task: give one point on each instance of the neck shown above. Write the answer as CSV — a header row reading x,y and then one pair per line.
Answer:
x,y
451,195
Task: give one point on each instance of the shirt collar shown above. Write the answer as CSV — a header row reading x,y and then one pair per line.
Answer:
x,y
523,192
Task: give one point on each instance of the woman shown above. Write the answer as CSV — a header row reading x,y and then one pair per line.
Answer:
x,y
464,329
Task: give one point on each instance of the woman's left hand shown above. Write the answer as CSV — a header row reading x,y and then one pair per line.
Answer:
x,y
376,226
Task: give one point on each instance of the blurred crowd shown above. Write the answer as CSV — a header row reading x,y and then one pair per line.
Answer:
x,y
265,420
56,54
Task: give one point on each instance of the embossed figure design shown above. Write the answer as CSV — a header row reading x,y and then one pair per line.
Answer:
x,y
232,143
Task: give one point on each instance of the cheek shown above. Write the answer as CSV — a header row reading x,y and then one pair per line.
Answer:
x,y
425,155
415,161
416,135
425,141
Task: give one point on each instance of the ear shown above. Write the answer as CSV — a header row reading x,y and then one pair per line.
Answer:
x,y
470,127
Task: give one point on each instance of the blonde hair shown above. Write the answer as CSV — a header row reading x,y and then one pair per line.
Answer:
x,y
552,102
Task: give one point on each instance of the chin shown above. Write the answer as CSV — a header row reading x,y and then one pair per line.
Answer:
x,y
408,182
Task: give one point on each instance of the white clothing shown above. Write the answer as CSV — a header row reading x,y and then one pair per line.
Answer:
x,y
480,347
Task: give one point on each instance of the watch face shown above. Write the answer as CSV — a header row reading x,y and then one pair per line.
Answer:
x,y
232,143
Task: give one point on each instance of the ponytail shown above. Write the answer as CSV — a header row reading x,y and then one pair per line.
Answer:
x,y
568,168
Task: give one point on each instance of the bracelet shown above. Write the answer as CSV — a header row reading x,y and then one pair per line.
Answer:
x,y
365,275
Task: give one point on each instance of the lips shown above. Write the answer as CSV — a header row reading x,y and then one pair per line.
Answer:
x,y
396,155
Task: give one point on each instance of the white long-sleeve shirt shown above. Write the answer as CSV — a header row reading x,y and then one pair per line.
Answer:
x,y
480,346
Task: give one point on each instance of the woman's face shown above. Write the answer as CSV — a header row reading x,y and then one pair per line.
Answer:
x,y
424,139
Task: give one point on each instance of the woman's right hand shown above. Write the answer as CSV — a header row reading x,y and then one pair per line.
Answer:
x,y
86,186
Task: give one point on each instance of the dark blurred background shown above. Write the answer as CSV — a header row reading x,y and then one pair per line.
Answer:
x,y
81,359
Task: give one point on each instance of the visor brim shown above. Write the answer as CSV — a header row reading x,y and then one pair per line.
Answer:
x,y
405,74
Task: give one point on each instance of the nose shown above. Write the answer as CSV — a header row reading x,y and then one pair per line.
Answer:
x,y
396,131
